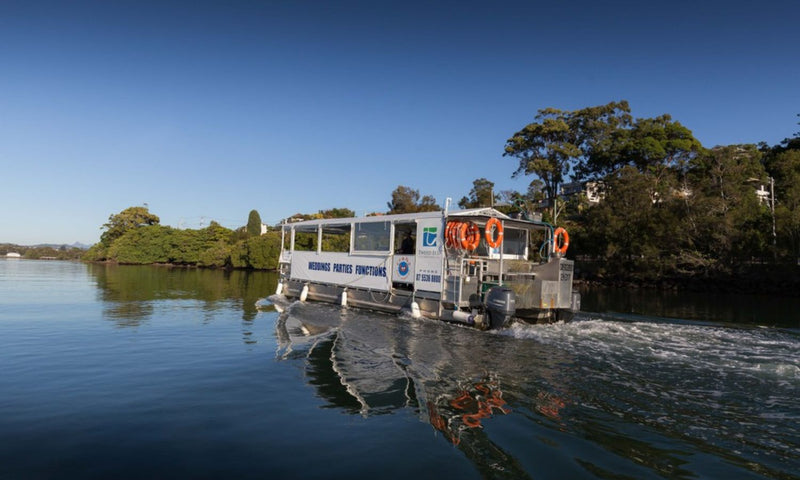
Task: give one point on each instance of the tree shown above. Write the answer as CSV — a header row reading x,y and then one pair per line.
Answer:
x,y
630,231
145,245
254,224
407,200
660,142
126,220
257,252
723,220
560,140
601,132
546,148
784,165
337,213
481,195
792,143
428,204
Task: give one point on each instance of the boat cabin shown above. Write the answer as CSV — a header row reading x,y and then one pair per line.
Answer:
x,y
449,265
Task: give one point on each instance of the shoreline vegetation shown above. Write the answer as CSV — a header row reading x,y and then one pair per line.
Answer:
x,y
42,252
645,203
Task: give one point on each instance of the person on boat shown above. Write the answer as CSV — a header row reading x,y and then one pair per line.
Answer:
x,y
407,247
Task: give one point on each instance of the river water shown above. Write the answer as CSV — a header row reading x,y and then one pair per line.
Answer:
x,y
147,372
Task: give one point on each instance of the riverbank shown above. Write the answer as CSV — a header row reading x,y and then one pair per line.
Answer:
x,y
775,279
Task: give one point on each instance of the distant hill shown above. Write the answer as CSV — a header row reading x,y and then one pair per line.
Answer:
x,y
45,251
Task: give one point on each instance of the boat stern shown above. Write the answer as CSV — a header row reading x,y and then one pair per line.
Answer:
x,y
546,295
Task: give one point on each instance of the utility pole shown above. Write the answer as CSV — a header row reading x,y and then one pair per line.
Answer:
x,y
555,205
772,210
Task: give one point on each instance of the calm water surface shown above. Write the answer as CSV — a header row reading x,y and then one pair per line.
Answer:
x,y
143,372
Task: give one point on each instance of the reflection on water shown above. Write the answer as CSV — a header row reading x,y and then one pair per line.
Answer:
x,y
129,291
318,391
719,307
369,364
657,398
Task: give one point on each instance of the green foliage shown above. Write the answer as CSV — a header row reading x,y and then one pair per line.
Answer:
x,y
586,139
254,224
546,148
407,200
671,208
215,246
126,220
257,252
331,213
481,195
96,253
337,213
784,165
334,242
724,220
144,245
305,241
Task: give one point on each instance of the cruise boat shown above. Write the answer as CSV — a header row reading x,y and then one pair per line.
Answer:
x,y
478,267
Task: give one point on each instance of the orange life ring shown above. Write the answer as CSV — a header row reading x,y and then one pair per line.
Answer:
x,y
494,225
454,233
447,229
469,236
449,234
562,245
462,401
471,420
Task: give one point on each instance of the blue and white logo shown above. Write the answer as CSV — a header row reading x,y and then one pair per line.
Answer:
x,y
403,267
429,237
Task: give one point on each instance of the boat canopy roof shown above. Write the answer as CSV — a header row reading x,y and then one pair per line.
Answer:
x,y
471,213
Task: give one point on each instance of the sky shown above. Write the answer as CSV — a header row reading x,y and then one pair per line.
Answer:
x,y
207,110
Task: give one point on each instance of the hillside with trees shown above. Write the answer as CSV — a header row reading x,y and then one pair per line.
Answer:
x,y
665,209
670,210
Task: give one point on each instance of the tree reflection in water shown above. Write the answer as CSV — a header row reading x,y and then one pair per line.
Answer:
x,y
130,292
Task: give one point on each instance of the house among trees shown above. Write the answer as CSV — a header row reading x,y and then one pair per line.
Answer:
x,y
592,190
763,195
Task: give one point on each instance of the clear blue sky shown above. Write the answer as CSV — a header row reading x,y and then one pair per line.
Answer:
x,y
206,110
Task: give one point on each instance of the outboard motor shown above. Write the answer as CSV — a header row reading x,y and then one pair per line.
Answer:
x,y
500,304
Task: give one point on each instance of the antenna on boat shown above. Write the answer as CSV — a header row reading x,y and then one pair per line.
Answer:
x,y
447,203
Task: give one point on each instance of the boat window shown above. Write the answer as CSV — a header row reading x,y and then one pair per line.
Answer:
x,y
305,239
372,237
537,244
514,242
405,238
286,233
336,238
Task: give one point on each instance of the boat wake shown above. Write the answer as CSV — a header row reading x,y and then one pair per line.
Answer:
x,y
761,353
660,386
733,388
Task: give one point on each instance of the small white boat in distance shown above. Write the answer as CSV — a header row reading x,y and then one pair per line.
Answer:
x,y
478,267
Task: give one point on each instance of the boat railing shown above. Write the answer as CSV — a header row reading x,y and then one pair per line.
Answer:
x,y
464,277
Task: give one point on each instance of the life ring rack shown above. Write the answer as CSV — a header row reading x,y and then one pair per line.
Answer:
x,y
462,235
